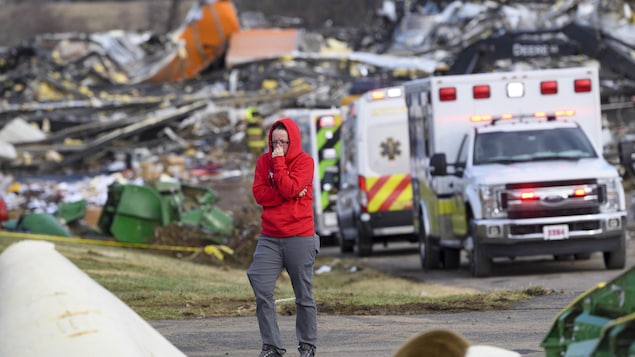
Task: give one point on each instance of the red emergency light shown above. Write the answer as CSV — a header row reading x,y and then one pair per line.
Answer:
x,y
447,94
528,196
481,92
582,85
579,192
548,87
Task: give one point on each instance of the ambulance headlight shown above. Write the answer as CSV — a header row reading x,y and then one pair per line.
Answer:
x,y
490,201
612,191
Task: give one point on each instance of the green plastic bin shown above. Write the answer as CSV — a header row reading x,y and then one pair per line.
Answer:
x,y
598,323
132,213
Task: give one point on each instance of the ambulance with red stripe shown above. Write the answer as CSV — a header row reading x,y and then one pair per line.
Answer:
x,y
506,165
375,197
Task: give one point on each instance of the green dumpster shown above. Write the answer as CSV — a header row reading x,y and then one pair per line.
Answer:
x,y
598,323
69,212
132,213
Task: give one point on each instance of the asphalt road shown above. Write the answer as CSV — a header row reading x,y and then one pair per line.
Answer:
x,y
522,328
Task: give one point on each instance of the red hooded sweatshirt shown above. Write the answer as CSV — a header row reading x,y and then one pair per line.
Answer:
x,y
277,184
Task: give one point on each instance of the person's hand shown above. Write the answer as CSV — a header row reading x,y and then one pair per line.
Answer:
x,y
302,193
277,151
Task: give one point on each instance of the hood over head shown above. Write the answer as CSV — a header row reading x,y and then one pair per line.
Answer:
x,y
295,138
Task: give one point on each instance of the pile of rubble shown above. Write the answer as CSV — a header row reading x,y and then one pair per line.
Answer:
x,y
89,96
103,104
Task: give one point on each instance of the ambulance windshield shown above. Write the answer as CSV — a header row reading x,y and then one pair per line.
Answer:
x,y
504,147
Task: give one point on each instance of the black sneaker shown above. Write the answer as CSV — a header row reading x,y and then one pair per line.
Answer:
x,y
271,351
306,350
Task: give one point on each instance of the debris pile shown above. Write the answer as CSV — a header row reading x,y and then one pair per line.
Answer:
x,y
136,107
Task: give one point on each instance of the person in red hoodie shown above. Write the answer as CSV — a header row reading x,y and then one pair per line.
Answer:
x,y
283,187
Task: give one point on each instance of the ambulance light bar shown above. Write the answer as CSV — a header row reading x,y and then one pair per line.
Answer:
x,y
514,89
556,114
379,94
479,118
508,116
327,121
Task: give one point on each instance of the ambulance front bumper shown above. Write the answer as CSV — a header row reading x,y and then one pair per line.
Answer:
x,y
552,235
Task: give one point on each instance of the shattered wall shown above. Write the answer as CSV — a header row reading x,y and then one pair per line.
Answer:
x,y
314,13
97,16
52,17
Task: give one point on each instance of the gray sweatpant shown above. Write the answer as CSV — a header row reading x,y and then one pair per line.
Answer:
x,y
296,255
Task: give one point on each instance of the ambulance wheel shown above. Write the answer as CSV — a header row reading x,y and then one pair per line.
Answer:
x,y
451,258
429,254
364,242
346,245
345,238
616,259
480,264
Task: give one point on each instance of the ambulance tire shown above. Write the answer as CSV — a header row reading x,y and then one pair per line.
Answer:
x,y
364,241
345,236
346,245
480,264
429,253
616,259
451,258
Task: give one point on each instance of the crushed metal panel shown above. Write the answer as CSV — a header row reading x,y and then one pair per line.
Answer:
x,y
204,38
258,44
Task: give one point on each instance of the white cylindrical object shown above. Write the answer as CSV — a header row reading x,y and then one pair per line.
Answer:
x,y
49,307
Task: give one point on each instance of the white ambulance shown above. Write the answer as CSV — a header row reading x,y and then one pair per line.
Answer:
x,y
509,165
320,130
375,197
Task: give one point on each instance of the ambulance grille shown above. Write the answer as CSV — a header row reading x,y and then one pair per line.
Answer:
x,y
553,199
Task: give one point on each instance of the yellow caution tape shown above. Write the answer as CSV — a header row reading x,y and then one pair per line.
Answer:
x,y
216,250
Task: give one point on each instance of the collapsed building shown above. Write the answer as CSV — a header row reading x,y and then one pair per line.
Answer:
x,y
118,101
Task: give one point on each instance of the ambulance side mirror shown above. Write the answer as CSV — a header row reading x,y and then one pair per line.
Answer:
x,y
438,165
